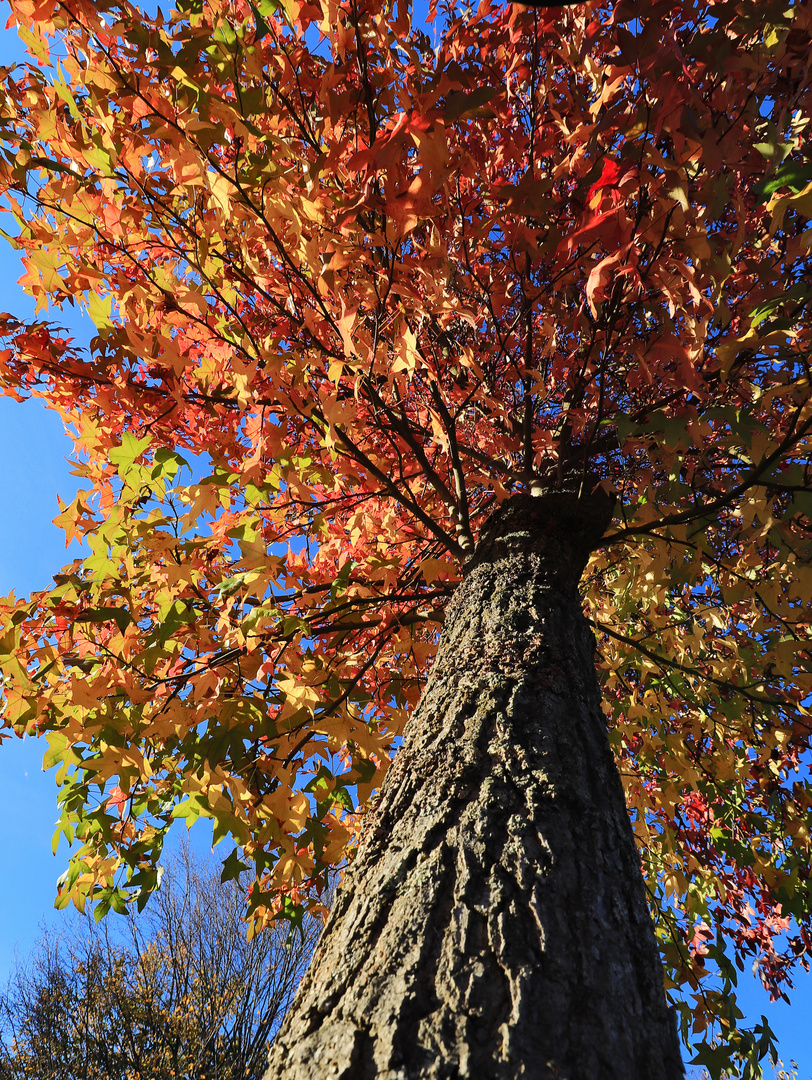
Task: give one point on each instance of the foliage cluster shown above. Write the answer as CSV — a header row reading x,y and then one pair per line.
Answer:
x,y
355,284
176,993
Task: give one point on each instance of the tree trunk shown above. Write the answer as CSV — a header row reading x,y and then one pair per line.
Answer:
x,y
494,923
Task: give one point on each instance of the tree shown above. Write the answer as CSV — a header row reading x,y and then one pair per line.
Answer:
x,y
517,315
178,993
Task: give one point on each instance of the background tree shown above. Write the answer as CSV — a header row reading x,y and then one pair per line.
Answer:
x,y
176,992
369,304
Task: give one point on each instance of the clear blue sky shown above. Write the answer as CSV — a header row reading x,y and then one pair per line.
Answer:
x,y
34,449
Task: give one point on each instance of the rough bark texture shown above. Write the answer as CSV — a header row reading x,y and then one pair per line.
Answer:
x,y
494,924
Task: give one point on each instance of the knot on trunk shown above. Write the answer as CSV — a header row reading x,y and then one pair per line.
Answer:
x,y
563,526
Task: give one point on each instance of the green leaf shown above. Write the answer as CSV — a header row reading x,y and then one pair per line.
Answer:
x,y
64,827
99,308
718,1060
293,913
364,768
100,908
191,809
264,7
118,902
262,611
143,882
792,174
119,615
64,91
37,46
320,786
230,585
168,463
341,580
232,867
343,798
177,616
57,743
799,292
131,448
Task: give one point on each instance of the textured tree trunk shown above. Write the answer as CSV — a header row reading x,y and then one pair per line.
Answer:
x,y
494,924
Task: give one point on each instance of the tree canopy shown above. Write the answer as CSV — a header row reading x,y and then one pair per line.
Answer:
x,y
176,992
356,280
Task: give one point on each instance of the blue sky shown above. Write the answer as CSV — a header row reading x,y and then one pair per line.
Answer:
x,y
35,449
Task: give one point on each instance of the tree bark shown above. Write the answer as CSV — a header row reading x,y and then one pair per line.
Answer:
x,y
494,923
